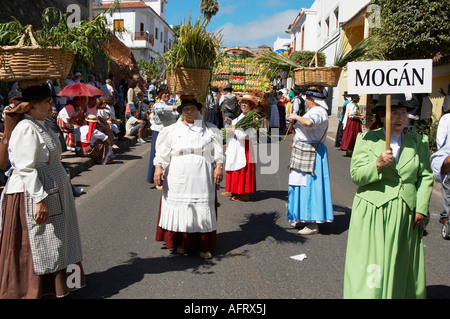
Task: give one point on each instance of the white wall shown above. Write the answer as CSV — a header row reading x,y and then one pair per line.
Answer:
x,y
133,17
159,6
322,31
281,43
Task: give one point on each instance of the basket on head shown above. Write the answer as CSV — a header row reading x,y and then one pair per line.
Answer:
x,y
317,76
20,62
188,81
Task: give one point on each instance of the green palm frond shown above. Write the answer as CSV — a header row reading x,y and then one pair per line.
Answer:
x,y
364,50
195,47
275,63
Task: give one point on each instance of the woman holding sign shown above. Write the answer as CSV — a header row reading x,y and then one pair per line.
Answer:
x,y
385,256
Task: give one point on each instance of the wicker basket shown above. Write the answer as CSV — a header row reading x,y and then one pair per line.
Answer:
x,y
317,76
20,62
187,81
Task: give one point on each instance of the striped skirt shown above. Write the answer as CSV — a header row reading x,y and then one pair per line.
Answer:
x,y
69,134
100,151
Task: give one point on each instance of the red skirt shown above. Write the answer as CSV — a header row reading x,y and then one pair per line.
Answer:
x,y
352,129
242,181
199,242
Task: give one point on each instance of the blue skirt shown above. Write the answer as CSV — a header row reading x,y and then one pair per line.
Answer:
x,y
151,166
312,203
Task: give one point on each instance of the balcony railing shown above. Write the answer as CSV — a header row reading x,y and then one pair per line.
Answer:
x,y
143,35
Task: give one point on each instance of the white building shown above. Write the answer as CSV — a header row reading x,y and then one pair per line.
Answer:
x,y
141,25
282,44
319,29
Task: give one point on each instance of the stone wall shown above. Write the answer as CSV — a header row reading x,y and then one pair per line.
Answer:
x,y
26,11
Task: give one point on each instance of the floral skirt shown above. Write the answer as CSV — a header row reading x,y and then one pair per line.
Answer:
x,y
100,151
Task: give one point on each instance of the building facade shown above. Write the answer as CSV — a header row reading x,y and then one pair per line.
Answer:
x,y
141,26
319,29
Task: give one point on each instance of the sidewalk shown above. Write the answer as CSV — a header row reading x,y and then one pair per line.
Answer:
x,y
76,164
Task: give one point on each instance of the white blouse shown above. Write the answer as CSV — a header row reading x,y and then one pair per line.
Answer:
x,y
235,153
67,112
27,150
317,132
350,113
163,115
96,135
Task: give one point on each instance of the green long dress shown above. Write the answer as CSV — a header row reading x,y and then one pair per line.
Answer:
x,y
385,258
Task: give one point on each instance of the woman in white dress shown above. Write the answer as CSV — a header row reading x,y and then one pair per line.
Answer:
x,y
189,160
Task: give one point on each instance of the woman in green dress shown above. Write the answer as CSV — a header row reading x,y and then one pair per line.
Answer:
x,y
385,256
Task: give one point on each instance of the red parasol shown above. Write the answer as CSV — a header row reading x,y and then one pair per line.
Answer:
x,y
80,89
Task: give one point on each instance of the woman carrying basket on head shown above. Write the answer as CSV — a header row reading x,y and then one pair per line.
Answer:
x,y
309,198
189,158
39,228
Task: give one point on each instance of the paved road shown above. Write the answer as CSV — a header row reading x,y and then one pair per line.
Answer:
x,y
118,215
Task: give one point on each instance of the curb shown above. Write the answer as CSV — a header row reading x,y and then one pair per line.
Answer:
x,y
76,164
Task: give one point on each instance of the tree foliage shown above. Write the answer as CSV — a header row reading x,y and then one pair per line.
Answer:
x,y
153,69
274,63
85,39
209,8
195,47
304,58
414,29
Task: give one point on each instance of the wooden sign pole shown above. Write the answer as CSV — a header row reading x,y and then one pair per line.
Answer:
x,y
388,122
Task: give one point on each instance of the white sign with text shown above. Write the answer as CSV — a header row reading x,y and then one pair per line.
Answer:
x,y
390,77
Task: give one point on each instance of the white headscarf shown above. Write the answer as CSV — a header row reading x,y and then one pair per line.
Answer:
x,y
320,102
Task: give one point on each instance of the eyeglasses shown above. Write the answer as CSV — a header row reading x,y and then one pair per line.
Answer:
x,y
189,108
399,113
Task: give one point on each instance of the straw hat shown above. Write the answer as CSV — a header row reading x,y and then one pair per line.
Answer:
x,y
252,99
162,89
91,118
